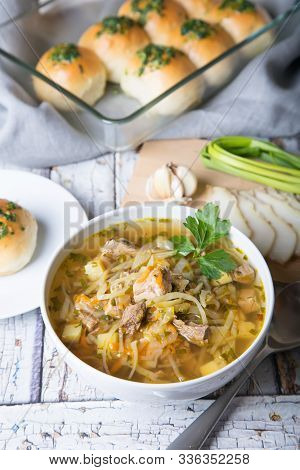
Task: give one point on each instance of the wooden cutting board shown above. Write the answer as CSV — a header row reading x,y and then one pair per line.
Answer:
x,y
154,154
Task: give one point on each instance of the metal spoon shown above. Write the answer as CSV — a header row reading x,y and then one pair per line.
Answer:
x,y
284,334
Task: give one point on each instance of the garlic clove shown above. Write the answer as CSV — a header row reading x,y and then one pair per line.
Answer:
x,y
177,188
171,182
162,182
188,180
150,192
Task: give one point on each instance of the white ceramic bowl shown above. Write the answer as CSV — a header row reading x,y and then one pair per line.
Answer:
x,y
134,391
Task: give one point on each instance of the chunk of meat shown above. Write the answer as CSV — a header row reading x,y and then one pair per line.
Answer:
x,y
195,334
132,317
179,282
244,274
248,300
116,248
154,282
86,308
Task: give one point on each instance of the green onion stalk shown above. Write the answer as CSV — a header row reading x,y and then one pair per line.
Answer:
x,y
254,160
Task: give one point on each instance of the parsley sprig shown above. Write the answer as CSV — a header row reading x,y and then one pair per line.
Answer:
x,y
144,7
3,230
238,5
207,228
115,25
196,29
65,52
155,57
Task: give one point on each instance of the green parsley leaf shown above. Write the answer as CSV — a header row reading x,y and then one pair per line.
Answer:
x,y
11,206
65,52
217,228
197,229
182,245
214,264
116,25
237,5
3,230
196,29
207,228
144,7
8,215
154,57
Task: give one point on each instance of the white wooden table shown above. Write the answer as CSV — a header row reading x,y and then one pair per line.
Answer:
x,y
46,406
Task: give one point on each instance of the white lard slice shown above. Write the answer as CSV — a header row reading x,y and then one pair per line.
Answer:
x,y
263,234
284,210
288,197
284,244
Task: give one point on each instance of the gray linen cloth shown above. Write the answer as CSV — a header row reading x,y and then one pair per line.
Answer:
x,y
263,100
12,8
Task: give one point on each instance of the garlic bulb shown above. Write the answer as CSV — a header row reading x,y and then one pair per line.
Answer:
x,y
171,182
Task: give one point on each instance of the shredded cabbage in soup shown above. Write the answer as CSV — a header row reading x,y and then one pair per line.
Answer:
x,y
129,305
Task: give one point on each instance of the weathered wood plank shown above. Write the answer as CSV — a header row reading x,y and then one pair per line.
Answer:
x,y
60,382
251,422
124,168
93,183
263,381
21,340
289,372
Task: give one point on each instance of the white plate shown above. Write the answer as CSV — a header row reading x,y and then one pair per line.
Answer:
x,y
50,204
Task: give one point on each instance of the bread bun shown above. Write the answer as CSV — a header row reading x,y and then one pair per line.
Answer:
x,y
18,235
76,69
242,19
155,69
115,40
207,10
202,43
160,18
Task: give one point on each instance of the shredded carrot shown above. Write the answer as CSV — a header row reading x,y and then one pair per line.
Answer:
x,y
145,274
160,280
114,346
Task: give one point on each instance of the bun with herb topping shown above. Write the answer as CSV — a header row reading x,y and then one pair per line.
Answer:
x,y
18,235
160,18
241,18
153,70
203,42
115,40
76,69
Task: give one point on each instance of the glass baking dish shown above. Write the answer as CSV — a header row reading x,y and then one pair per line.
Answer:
x,y
116,121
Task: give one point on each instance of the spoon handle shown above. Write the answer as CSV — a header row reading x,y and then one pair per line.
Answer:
x,y
196,434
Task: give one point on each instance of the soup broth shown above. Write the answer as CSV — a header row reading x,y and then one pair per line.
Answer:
x,y
128,304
